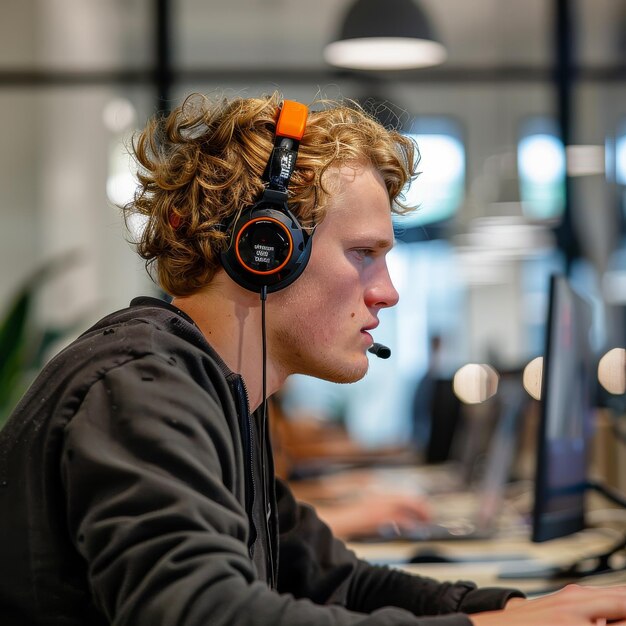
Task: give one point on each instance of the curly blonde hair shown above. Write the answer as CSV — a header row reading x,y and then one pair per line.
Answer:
x,y
203,162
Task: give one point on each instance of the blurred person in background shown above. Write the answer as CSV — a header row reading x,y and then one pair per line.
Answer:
x,y
136,483
422,400
327,469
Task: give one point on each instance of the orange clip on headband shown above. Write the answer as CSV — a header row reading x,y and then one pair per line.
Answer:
x,y
292,120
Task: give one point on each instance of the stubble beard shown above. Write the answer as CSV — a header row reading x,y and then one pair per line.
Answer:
x,y
299,357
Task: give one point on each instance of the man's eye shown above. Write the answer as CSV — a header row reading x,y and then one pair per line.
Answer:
x,y
363,255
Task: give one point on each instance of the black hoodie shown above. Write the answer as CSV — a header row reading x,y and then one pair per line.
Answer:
x,y
132,493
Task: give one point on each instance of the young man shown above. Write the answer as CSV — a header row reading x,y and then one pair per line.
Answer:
x,y
137,484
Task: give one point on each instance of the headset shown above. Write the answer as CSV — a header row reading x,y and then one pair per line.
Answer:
x,y
268,247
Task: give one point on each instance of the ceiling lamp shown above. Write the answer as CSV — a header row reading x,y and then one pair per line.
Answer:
x,y
385,35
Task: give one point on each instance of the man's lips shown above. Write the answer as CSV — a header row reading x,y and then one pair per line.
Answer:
x,y
370,326
365,329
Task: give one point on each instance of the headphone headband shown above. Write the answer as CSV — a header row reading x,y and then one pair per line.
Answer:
x,y
289,131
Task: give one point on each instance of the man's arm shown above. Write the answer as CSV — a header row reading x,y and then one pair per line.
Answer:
x,y
364,588
315,564
150,478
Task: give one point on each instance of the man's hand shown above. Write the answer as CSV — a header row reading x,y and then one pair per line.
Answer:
x,y
367,515
572,606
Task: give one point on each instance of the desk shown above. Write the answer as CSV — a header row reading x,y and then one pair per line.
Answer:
x,y
564,551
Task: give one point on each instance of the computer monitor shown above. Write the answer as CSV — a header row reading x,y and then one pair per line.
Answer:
x,y
565,425
564,438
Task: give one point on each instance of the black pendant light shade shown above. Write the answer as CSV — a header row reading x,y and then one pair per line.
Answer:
x,y
385,35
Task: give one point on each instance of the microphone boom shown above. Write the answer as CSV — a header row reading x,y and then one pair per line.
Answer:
x,y
382,352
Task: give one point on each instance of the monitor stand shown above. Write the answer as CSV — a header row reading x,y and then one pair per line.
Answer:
x,y
588,566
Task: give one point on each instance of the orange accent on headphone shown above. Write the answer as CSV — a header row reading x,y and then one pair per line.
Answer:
x,y
292,120
276,269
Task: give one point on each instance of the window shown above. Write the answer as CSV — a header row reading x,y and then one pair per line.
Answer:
x,y
620,155
438,190
541,166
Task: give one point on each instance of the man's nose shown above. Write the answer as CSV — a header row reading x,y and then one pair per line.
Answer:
x,y
381,294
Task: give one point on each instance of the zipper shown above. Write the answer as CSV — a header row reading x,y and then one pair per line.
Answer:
x,y
247,432
266,509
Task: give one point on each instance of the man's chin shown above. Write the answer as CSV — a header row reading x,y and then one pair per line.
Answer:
x,y
349,373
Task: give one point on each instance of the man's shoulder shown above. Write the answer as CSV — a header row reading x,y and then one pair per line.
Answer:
x,y
140,340
142,317
148,329
146,326
143,332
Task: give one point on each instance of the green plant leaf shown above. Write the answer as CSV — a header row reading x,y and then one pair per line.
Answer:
x,y
21,345
12,344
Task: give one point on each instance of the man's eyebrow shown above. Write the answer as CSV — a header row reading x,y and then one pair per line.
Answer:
x,y
375,244
384,243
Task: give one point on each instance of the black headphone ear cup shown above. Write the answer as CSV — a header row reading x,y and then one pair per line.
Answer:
x,y
268,248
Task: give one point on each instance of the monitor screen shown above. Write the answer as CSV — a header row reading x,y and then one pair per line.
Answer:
x,y
565,425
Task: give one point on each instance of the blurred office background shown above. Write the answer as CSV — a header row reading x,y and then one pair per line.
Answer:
x,y
521,128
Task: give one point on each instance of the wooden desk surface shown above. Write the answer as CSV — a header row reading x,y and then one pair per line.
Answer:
x,y
482,561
